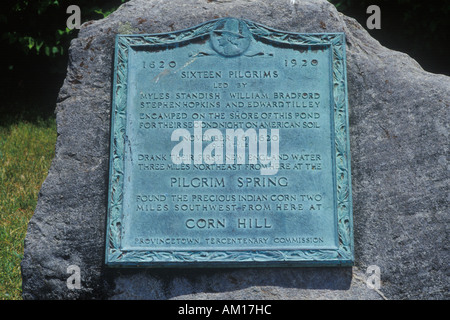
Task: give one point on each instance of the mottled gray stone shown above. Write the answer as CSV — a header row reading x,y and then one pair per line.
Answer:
x,y
399,126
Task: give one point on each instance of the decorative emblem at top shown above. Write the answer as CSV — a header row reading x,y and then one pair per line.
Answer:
x,y
230,37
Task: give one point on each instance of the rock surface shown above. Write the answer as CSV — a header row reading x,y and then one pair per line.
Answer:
x,y
399,127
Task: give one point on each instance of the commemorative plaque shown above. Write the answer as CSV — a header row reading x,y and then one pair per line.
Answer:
x,y
229,147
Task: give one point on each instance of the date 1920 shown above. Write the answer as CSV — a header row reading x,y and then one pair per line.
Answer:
x,y
301,63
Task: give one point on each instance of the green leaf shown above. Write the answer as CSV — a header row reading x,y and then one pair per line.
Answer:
x,y
30,43
39,45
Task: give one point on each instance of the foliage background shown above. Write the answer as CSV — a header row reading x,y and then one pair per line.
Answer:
x,y
34,51
417,27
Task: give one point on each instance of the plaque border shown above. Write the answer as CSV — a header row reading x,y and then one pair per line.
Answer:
x,y
342,256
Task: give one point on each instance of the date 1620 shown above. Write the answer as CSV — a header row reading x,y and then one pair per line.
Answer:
x,y
158,64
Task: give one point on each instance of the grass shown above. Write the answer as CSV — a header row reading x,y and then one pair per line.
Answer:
x,y
26,151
